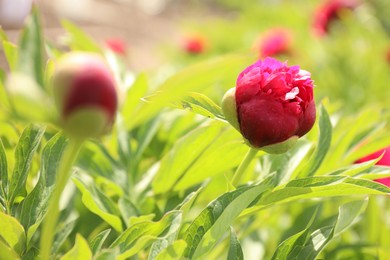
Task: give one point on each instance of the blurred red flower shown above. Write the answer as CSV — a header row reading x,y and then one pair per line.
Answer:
x,y
274,42
194,44
328,12
384,161
116,45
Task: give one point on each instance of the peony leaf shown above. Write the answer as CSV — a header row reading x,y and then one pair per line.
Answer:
x,y
183,156
24,152
80,250
215,219
318,187
6,252
235,250
78,39
98,203
304,245
35,204
12,233
3,172
170,236
199,104
142,234
196,77
11,53
97,242
31,52
223,154
323,145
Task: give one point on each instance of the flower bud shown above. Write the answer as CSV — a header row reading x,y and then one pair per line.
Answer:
x,y
384,161
272,105
85,94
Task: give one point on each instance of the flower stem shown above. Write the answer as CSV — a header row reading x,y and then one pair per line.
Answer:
x,y
243,166
64,172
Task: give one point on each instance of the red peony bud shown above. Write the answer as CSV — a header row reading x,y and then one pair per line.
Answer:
x,y
272,105
85,94
13,13
328,12
274,42
116,45
384,161
194,44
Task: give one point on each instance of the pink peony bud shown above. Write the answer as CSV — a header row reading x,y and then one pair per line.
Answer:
x,y
194,44
274,42
13,13
272,105
116,45
85,94
384,161
328,12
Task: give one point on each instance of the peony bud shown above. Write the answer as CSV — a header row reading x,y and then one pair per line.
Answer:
x,y
274,42
328,12
194,44
384,161
85,94
117,46
272,105
13,13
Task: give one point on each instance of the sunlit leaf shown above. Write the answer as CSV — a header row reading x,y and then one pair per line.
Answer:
x,y
24,153
216,218
100,204
97,242
79,40
235,250
12,233
80,250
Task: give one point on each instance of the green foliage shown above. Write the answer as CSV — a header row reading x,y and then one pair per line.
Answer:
x,y
157,187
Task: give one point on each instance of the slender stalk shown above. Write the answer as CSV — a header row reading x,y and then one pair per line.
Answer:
x,y
243,166
50,221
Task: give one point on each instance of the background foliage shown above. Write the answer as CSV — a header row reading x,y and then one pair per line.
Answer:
x,y
158,187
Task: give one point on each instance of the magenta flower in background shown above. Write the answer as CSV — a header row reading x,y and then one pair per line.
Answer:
x,y
194,44
272,104
116,45
384,161
328,12
274,42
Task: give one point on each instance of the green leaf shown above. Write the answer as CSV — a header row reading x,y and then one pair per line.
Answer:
x,y
142,234
12,233
11,53
80,250
24,152
200,104
79,40
318,187
64,230
134,95
174,251
31,52
7,253
323,145
223,154
100,204
216,218
320,238
221,70
183,155
168,239
35,205
235,250
97,242
3,171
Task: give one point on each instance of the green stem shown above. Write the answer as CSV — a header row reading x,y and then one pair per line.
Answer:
x,y
50,221
243,166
